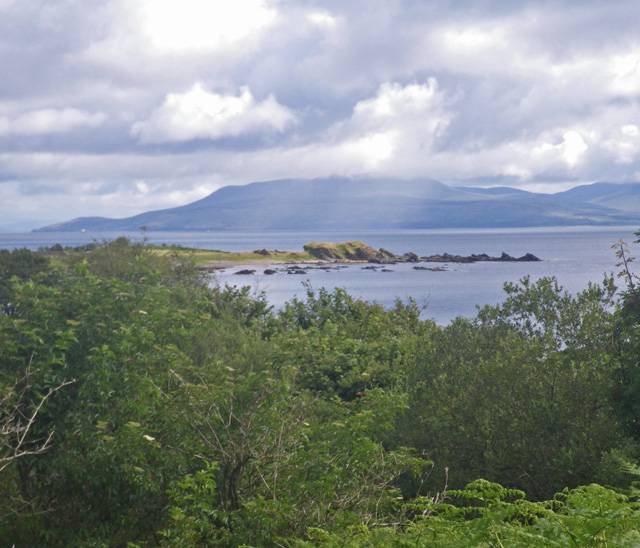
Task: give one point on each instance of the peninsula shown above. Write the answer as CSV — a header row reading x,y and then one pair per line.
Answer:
x,y
330,253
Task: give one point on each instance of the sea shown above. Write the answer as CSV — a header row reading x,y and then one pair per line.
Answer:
x,y
574,255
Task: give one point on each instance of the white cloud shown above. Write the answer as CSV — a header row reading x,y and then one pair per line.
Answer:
x,y
188,25
322,19
473,39
623,146
625,71
496,47
573,147
369,151
398,122
142,187
516,49
46,121
169,40
202,114
419,105
389,133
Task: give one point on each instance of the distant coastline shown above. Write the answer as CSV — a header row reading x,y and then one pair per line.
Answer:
x,y
349,204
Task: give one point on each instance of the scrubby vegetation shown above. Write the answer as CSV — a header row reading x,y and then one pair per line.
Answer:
x,y
197,256
204,257
140,407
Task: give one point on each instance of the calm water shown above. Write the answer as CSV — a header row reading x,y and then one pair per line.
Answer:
x,y
574,255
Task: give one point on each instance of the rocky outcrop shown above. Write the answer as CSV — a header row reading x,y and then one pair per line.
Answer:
x,y
359,251
350,251
483,257
527,258
410,258
383,256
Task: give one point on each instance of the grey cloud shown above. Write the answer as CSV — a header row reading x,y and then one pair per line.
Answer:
x,y
529,93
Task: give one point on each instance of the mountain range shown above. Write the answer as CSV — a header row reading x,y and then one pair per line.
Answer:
x,y
338,203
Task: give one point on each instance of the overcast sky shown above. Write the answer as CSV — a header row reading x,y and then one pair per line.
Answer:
x,y
112,107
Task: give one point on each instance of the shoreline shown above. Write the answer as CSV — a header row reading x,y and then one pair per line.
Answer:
x,y
326,255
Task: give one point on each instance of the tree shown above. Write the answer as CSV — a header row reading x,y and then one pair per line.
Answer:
x,y
21,264
17,419
522,395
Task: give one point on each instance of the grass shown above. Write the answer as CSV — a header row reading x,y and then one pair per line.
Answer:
x,y
350,250
353,250
214,256
343,251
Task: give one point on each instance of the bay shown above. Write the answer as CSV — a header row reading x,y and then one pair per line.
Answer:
x,y
574,255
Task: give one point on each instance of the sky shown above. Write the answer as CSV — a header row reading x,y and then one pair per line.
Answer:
x,y
114,107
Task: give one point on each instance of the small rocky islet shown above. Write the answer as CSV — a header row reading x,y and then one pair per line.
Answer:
x,y
329,256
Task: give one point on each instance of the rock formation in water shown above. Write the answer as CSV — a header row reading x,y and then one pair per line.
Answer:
x,y
355,250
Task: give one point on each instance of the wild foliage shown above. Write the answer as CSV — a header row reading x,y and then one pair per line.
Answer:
x,y
141,407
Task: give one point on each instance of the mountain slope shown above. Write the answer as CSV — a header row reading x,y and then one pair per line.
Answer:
x,y
623,197
343,203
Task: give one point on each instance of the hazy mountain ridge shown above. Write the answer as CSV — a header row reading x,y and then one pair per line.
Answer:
x,y
344,203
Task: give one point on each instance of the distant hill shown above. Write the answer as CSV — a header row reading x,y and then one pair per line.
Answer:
x,y
345,203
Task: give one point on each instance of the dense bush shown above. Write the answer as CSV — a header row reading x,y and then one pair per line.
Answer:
x,y
140,406
522,394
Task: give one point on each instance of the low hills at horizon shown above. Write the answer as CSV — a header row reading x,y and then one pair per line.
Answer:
x,y
338,203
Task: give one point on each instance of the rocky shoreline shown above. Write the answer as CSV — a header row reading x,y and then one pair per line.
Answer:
x,y
334,256
483,257
355,251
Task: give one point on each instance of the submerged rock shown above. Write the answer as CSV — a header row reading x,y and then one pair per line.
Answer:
x,y
245,272
296,270
431,268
